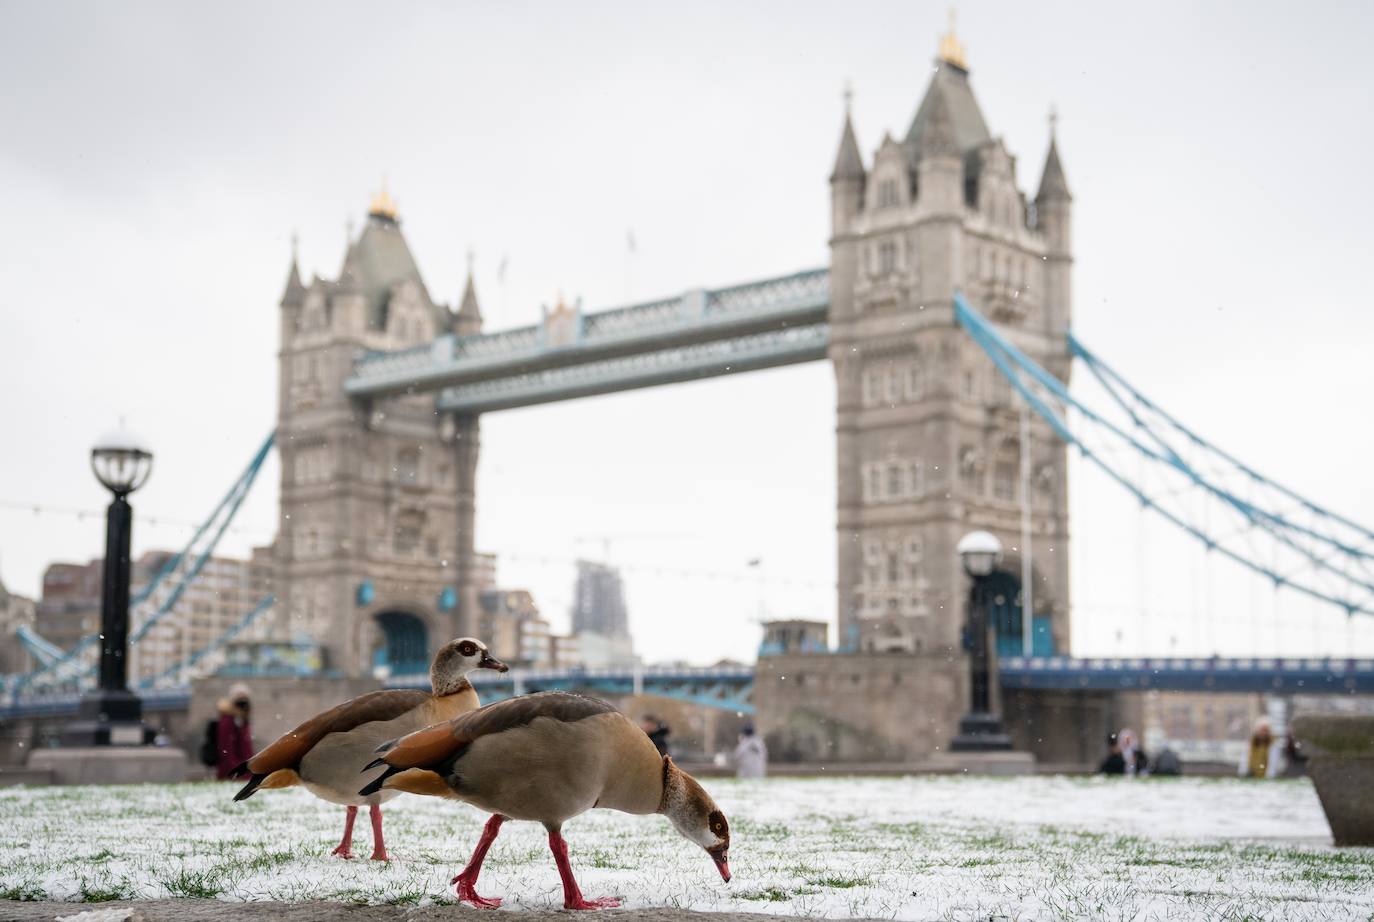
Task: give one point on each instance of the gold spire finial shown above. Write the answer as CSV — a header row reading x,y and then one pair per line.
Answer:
x,y
952,50
848,98
383,205
1054,120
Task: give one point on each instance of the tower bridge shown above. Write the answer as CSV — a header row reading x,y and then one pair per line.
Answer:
x,y
948,418
375,494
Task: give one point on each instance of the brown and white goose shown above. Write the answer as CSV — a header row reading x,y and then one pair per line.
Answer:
x,y
547,758
326,753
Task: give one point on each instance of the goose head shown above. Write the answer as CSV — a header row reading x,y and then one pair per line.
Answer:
x,y
456,659
695,815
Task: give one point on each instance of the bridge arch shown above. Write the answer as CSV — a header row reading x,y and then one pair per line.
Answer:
x,y
400,638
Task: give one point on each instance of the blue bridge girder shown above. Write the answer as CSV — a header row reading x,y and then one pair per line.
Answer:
x,y
702,333
1254,674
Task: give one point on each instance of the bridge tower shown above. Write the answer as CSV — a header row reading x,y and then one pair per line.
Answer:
x,y
375,532
928,432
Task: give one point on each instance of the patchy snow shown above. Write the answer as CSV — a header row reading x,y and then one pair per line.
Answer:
x,y
904,848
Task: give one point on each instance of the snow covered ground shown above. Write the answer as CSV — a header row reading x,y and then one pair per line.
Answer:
x,y
903,848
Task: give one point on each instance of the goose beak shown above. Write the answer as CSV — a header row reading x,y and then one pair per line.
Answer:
x,y
490,662
722,860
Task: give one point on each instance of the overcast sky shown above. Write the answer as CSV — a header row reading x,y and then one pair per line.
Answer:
x,y
155,159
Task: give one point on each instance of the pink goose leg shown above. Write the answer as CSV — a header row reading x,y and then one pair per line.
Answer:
x,y
378,845
466,881
572,895
345,849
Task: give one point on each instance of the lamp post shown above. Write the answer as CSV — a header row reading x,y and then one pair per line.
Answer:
x,y
112,714
980,730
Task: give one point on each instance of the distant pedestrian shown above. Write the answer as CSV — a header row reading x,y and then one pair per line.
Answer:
x,y
234,734
751,755
1263,754
657,731
1167,763
1113,764
1132,756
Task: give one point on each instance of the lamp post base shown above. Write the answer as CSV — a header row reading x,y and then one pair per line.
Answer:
x,y
108,718
980,732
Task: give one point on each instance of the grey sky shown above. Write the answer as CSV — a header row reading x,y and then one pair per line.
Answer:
x,y
155,159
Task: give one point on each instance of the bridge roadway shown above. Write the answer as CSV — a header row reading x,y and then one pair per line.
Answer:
x,y
730,687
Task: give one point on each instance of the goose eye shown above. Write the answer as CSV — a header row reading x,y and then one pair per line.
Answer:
x,y
467,649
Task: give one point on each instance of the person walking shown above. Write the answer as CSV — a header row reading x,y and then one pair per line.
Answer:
x,y
1262,756
751,755
234,734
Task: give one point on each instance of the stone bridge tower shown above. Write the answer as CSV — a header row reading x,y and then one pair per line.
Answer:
x,y
373,550
928,432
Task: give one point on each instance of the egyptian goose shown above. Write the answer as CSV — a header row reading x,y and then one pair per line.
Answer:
x,y
547,758
326,752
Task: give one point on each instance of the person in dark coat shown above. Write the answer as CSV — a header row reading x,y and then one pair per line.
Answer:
x,y
234,734
657,731
1115,763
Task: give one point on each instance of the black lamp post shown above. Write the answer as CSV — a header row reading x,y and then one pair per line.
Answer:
x,y
112,714
980,730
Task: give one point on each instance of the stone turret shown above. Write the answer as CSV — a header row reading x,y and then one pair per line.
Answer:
x,y
1054,219
295,291
468,321
847,178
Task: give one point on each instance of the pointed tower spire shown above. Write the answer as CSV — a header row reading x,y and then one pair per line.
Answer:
x,y
1053,185
849,163
294,289
468,321
938,137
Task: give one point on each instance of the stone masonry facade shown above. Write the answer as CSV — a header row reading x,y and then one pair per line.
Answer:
x,y
928,431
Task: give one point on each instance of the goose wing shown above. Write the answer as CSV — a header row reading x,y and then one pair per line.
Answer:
x,y
443,743
288,750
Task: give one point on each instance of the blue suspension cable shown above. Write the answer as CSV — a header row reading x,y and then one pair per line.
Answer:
x,y
232,500
1003,354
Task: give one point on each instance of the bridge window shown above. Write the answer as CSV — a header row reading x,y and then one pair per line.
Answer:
x,y
870,388
887,257
409,526
894,569
407,465
894,386
970,472
1004,480
914,548
916,479
913,381
887,194
894,481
